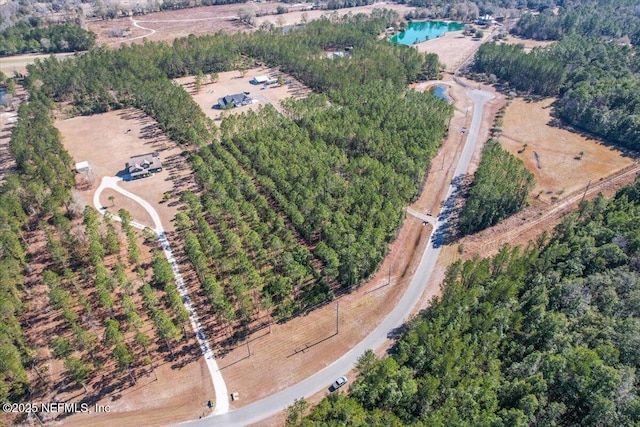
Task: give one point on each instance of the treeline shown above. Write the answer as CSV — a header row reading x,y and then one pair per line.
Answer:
x,y
500,188
547,335
526,72
341,4
611,19
34,36
34,190
596,81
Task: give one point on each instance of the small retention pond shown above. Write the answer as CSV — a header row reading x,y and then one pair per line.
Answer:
x,y
420,31
440,91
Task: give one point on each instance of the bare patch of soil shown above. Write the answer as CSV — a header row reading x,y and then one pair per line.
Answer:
x,y
562,161
453,48
527,43
233,82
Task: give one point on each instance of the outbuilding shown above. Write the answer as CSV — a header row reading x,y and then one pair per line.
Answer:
x,y
259,80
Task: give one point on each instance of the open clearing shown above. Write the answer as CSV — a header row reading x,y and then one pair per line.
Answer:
x,y
453,48
528,43
108,140
561,169
169,25
232,82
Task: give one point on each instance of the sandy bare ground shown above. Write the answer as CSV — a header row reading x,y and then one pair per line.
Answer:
x,y
17,64
232,82
170,25
528,43
108,140
561,169
453,48
293,18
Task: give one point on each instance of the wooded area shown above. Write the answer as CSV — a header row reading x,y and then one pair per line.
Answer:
x,y
546,335
96,323
500,188
34,36
292,207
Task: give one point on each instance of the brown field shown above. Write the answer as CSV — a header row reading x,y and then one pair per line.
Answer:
x,y
17,64
170,25
297,17
563,170
453,48
528,43
108,140
232,82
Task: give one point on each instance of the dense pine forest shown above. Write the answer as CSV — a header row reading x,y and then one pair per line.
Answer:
x,y
34,37
500,188
291,207
545,335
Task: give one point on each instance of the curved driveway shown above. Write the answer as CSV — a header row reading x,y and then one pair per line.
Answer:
x,y
222,397
258,411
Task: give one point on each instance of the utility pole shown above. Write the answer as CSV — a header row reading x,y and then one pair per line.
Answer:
x,y
585,191
337,317
248,349
389,275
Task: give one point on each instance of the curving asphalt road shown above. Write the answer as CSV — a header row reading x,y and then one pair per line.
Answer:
x,y
262,409
222,396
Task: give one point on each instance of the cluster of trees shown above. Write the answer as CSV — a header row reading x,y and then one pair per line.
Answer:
x,y
596,81
342,173
610,19
87,292
500,188
340,4
547,335
244,254
526,72
34,36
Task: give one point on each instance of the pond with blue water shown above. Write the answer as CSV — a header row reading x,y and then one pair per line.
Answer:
x,y
440,91
420,31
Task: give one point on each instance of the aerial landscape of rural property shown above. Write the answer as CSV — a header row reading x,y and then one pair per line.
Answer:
x,y
368,213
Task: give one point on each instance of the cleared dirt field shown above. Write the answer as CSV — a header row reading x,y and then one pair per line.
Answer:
x,y
108,140
17,64
528,43
561,169
293,18
453,48
232,82
170,25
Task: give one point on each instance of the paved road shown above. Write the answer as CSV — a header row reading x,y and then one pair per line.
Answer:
x,y
222,396
424,217
258,411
